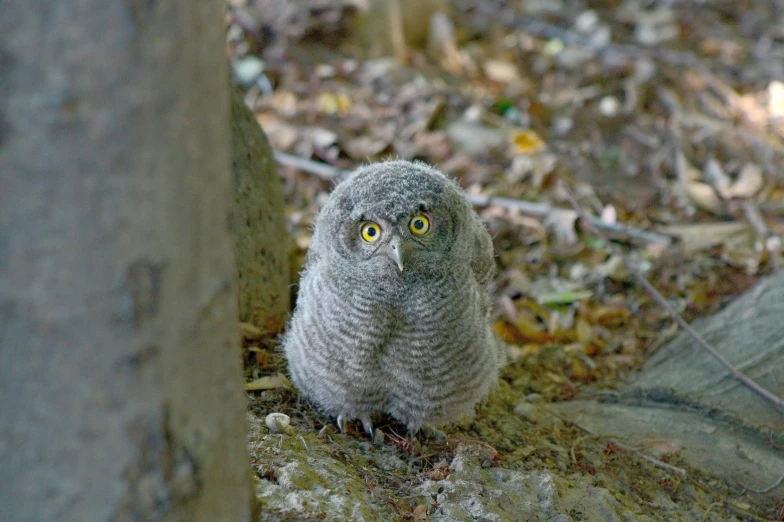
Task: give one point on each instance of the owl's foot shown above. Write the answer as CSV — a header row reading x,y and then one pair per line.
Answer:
x,y
342,423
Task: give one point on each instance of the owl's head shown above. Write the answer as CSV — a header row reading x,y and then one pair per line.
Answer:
x,y
395,217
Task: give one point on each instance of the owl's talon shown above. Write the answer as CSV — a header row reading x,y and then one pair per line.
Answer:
x,y
342,423
368,426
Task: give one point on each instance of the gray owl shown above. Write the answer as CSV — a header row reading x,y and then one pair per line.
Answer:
x,y
392,314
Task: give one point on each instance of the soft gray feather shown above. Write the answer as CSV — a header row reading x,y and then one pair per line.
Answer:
x,y
367,337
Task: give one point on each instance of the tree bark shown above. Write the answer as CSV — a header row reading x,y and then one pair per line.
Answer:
x,y
261,242
120,377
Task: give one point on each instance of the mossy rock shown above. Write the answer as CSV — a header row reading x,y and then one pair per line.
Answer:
x,y
260,238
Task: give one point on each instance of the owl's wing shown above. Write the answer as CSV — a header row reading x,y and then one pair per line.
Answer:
x,y
482,257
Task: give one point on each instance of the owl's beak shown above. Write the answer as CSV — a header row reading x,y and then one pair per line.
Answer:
x,y
395,251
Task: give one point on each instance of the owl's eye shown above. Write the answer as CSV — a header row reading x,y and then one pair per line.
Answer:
x,y
419,224
370,231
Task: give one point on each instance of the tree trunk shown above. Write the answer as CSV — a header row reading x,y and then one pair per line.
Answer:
x,y
120,377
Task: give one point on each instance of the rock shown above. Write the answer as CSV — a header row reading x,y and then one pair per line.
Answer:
x,y
246,70
472,492
260,238
526,411
278,423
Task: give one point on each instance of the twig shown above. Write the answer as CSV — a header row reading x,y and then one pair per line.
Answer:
x,y
321,170
762,491
659,464
707,511
329,172
656,462
661,301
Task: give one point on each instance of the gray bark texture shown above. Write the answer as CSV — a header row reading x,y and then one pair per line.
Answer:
x,y
120,379
261,242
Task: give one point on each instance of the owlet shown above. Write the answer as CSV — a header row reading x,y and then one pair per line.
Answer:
x,y
393,314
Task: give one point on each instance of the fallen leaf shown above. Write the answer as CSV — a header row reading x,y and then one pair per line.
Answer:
x,y
611,316
507,333
563,297
694,237
250,331
527,142
776,99
562,223
270,382
530,328
584,331
749,182
704,197
500,71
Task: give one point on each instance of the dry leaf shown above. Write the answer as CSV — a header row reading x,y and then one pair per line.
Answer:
x,y
250,331
610,316
529,327
584,331
527,142
749,182
733,236
562,223
501,72
704,197
776,99
270,382
507,333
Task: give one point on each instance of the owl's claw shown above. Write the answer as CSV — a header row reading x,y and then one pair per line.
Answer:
x,y
368,426
342,423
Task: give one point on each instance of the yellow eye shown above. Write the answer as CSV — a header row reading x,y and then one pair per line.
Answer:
x,y
370,231
419,224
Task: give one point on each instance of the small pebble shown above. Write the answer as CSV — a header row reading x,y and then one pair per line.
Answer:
x,y
526,411
609,106
278,423
533,398
246,70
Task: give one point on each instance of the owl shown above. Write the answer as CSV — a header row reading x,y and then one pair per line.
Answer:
x,y
393,313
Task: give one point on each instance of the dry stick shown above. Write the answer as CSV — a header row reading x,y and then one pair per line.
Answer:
x,y
661,301
656,462
329,172
762,491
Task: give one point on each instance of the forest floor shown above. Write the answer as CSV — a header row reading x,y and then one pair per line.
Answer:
x,y
666,119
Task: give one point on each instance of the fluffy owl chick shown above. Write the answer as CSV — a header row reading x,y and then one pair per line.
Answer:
x,y
392,313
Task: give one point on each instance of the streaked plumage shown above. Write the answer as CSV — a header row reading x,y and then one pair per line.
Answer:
x,y
369,337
